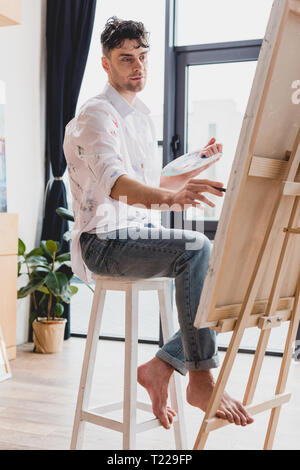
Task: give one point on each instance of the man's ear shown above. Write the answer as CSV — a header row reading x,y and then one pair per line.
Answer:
x,y
105,63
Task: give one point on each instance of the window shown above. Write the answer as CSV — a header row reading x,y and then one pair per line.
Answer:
x,y
219,92
212,21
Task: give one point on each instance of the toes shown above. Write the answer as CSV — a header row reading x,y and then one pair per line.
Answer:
x,y
171,414
221,414
236,416
229,416
163,417
171,411
246,417
243,419
170,418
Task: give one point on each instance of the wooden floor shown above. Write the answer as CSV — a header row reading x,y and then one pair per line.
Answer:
x,y
37,405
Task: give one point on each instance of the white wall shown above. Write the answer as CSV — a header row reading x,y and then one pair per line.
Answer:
x,y
22,68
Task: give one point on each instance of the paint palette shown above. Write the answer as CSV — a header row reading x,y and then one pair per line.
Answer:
x,y
188,162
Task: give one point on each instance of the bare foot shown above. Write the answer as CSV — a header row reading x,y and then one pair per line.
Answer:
x,y
154,376
198,394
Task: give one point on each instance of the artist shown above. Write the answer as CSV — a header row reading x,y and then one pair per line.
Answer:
x,y
113,163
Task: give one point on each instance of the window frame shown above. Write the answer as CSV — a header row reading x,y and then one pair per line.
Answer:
x,y
186,56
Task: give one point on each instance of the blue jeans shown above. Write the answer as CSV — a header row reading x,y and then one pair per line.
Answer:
x,y
160,252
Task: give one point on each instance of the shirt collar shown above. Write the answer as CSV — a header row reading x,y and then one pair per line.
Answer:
x,y
121,105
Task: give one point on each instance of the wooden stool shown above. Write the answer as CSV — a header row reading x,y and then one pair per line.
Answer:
x,y
129,427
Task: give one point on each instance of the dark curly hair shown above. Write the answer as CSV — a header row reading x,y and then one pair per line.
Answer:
x,y
117,30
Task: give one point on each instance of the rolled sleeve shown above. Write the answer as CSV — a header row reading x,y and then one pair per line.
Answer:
x,y
98,144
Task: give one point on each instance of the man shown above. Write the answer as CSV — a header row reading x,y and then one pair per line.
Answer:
x,y
116,183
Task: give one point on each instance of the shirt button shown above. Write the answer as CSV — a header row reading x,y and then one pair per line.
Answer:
x,y
142,165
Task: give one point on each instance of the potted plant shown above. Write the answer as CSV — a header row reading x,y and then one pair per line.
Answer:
x,y
50,275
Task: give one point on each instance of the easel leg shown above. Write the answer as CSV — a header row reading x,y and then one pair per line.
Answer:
x,y
271,308
256,366
285,366
201,438
175,384
221,382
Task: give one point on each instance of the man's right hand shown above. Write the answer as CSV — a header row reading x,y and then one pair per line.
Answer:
x,y
192,191
142,195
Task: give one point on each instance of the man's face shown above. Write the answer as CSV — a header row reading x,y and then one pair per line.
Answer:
x,y
127,67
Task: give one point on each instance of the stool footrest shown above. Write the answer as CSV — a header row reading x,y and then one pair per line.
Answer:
x,y
252,409
150,424
102,421
119,426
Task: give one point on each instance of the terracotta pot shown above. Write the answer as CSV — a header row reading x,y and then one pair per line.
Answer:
x,y
48,336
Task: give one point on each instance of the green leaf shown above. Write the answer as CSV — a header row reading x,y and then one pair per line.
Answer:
x,y
35,252
37,260
44,248
32,317
21,247
65,214
87,285
42,298
64,257
68,263
52,247
43,289
43,303
58,309
66,295
56,282
58,265
73,290
19,268
42,269
31,287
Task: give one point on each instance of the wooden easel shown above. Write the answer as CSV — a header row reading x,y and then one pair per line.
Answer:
x,y
257,243
271,318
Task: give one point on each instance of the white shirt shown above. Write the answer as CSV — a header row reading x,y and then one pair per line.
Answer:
x,y
107,139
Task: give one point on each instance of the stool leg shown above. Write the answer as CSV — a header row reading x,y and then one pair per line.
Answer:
x,y
88,365
165,304
130,369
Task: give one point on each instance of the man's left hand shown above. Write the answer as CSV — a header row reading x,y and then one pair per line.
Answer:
x,y
212,148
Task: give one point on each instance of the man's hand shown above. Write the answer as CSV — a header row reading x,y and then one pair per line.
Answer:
x,y
209,150
176,181
212,148
192,192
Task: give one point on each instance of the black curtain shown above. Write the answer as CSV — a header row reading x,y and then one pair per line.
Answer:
x,y
68,36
